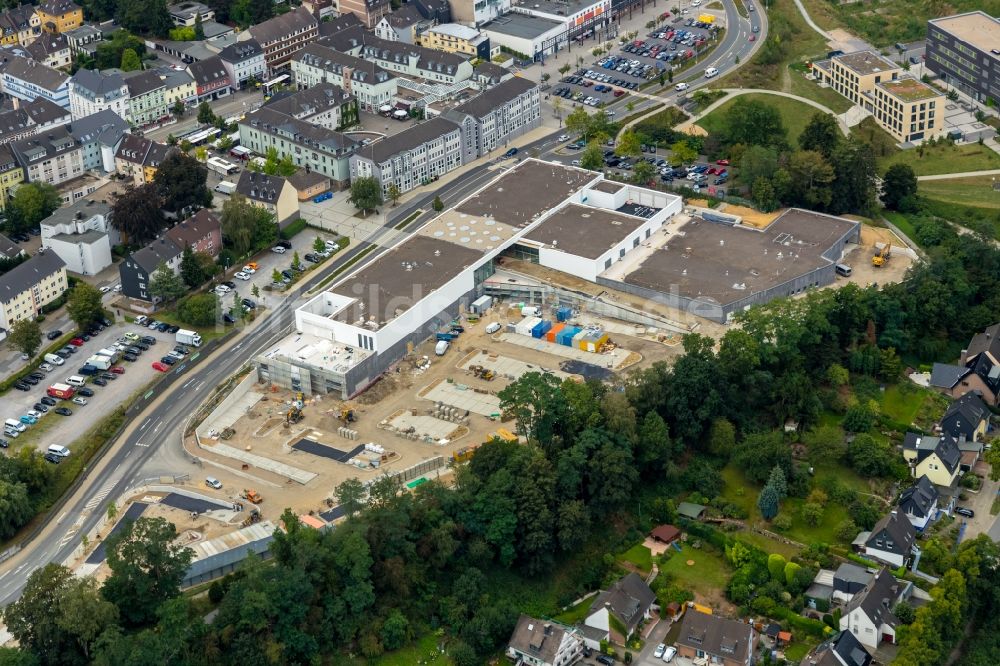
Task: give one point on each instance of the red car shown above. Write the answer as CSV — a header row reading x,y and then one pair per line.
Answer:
x,y
619,92
753,38
118,370
160,367
712,170
723,162
76,342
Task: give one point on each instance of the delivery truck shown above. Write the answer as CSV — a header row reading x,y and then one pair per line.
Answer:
x,y
186,337
63,391
112,354
225,187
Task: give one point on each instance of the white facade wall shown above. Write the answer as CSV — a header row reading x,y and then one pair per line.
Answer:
x,y
82,258
525,45
370,94
885,556
859,624
82,105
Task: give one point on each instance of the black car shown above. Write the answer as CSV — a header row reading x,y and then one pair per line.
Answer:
x,y
172,329
99,382
168,360
53,335
53,458
4,443
249,305
285,244
31,380
37,375
110,376
965,511
39,407
181,349
228,318
131,358
69,349
85,337
287,274
136,349
85,392
162,328
106,322
606,660
312,258
51,402
230,284
148,339
63,411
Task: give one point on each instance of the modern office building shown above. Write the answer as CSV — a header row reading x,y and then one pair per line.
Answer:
x,y
964,50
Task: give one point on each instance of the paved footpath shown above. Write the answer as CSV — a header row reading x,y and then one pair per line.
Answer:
x,y
964,174
734,92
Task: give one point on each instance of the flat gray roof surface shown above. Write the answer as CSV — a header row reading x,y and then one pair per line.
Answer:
x,y
710,260
583,231
521,25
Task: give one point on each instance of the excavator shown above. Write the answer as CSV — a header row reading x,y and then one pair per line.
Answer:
x,y
482,373
347,415
294,415
882,255
251,496
254,517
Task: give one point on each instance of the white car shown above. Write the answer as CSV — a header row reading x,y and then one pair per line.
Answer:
x,y
277,249
105,289
563,137
248,270
34,413
79,400
658,652
493,328
176,354
670,653
45,367
118,287
242,276
213,482
681,86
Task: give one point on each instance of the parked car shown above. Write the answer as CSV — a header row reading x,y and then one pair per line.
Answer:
x,y
669,653
118,370
53,458
64,411
160,367
46,367
110,376
511,152
89,393
285,244
39,407
248,269
131,358
76,342
278,249
79,401
213,482
965,511
240,275
97,381
168,360
54,335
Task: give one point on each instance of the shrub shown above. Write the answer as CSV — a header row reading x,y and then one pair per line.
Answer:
x,y
293,228
782,523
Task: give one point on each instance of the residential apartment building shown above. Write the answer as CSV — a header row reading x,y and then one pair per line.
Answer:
x,y
411,158
84,39
964,50
243,61
416,61
137,269
138,158
323,104
705,638
909,110
92,91
497,115
19,26
11,174
82,235
30,118
272,193
283,36
99,136
59,15
478,12
53,157
371,85
28,286
211,78
186,13
544,643
178,86
202,232
27,80
369,12
402,25
50,50
456,38
322,150
147,98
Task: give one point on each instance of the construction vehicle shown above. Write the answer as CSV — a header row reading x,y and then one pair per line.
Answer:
x,y
463,454
293,415
254,517
482,373
347,415
251,496
882,255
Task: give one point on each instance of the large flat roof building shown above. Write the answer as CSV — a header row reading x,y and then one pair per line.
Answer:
x,y
964,50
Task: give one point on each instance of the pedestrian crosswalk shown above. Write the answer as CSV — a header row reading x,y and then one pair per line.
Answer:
x,y
99,497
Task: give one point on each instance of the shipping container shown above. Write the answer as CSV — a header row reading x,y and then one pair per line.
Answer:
x,y
554,331
481,305
525,326
593,341
566,336
564,314
578,339
541,328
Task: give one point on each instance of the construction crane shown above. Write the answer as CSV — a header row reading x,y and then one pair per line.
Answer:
x,y
882,254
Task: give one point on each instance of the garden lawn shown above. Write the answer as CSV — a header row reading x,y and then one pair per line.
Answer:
x,y
975,191
944,158
639,556
575,614
794,114
902,405
707,577
423,651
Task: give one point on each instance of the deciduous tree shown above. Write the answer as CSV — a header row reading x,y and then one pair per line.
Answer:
x,y
32,203
165,284
592,157
898,183
25,336
199,309
628,144
84,305
191,270
136,213
366,193
130,61
821,134
180,180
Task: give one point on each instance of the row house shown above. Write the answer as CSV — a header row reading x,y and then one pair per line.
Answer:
x,y
53,157
323,104
499,114
211,78
372,86
11,175
178,86
283,36
413,157
92,91
99,136
30,118
57,16
147,98
138,158
19,26
51,51
244,61
369,12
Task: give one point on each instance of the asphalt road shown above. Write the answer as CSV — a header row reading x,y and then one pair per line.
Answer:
x,y
125,464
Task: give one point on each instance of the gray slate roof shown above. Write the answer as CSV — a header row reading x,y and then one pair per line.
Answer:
x,y
487,101
241,51
142,82
161,249
35,72
537,638
878,598
101,84
208,71
46,45
283,26
945,447
844,649
628,600
408,139
895,532
29,273
715,635
919,498
105,126
8,248
42,111
311,101
55,141
946,376
331,60
300,132
260,187
964,415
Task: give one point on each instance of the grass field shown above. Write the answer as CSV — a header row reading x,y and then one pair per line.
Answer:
x,y
976,191
639,556
944,158
828,97
706,577
424,651
576,613
794,114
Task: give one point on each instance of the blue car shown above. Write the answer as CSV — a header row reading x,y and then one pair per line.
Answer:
x,y
320,198
511,152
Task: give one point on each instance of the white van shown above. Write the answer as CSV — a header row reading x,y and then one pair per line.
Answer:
x,y
15,425
493,328
710,72
54,360
76,380
441,347
58,450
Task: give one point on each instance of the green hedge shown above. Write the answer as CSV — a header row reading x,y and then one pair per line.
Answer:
x,y
800,623
293,229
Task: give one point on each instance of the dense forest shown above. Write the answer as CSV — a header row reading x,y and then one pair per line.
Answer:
x,y
458,561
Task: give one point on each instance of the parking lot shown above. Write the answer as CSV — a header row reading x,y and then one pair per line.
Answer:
x,y
58,429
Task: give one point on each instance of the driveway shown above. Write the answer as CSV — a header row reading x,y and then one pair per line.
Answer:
x,y
655,637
